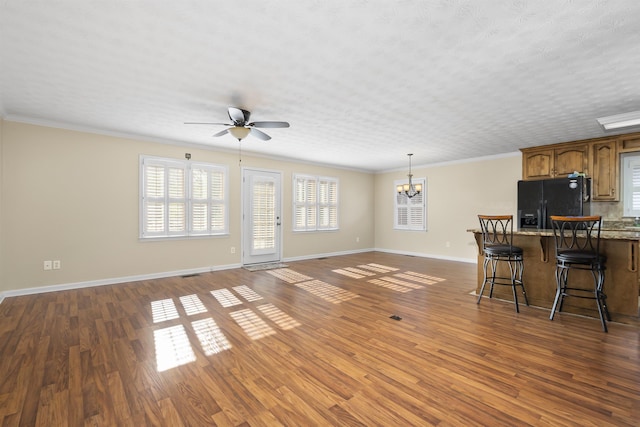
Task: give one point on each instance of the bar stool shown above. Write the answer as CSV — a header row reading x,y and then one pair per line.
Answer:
x,y
577,241
497,246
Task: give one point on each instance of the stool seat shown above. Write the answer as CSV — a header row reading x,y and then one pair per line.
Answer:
x,y
497,247
503,250
580,257
577,240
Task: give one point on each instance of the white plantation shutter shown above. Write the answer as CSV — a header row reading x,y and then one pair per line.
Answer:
x,y
327,204
154,205
208,208
200,200
410,213
218,216
263,211
631,177
176,200
163,198
402,211
315,203
310,200
180,198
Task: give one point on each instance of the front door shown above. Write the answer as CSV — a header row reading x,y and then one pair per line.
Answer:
x,y
261,216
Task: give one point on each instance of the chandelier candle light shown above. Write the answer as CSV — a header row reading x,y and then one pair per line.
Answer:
x,y
409,189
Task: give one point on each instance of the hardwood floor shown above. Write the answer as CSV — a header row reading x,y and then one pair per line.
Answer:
x,y
313,344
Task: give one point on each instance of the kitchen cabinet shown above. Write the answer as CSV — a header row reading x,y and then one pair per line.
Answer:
x,y
605,166
598,158
554,162
537,163
629,143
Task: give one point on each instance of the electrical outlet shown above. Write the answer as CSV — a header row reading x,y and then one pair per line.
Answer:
x,y
448,244
56,264
357,239
233,249
47,265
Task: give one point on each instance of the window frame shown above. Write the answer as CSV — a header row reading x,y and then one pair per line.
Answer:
x,y
188,199
629,162
411,206
317,206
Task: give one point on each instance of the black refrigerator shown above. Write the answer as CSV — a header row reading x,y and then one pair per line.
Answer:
x,y
538,200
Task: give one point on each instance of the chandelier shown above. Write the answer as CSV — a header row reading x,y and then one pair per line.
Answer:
x,y
409,189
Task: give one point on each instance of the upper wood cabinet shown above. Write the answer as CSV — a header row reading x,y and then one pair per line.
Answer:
x,y
629,143
573,158
598,158
537,163
554,162
605,165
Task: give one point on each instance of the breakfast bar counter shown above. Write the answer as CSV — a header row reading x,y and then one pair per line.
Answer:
x,y
621,285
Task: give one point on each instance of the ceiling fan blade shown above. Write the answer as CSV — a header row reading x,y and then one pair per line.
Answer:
x,y
207,123
222,132
269,124
238,116
259,134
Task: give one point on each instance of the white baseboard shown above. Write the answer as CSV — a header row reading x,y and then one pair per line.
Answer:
x,y
113,281
329,254
423,255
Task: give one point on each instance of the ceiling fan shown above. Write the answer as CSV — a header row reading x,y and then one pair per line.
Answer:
x,y
240,126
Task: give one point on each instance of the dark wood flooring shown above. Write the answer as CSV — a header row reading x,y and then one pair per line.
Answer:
x,y
313,344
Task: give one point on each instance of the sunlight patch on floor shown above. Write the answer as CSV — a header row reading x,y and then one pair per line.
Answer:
x,y
172,348
402,282
288,275
356,273
172,344
426,279
251,324
279,317
225,297
326,291
348,273
210,336
389,285
164,309
247,293
378,268
192,305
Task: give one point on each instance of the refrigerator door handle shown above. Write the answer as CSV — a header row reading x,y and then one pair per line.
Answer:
x,y
543,215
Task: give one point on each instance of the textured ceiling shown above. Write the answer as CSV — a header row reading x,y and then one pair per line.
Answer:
x,y
362,83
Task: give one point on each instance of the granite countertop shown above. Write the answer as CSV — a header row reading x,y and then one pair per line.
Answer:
x,y
604,234
630,233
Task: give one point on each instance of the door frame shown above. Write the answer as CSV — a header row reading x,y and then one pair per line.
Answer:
x,y
244,210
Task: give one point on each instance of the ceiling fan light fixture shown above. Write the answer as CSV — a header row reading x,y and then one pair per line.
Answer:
x,y
239,132
240,127
620,121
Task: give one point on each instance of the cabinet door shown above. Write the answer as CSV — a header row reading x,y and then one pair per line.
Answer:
x,y
537,164
604,171
571,159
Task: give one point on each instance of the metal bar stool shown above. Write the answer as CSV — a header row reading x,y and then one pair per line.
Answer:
x,y
577,241
497,246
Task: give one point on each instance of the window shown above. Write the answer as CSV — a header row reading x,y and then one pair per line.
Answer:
x,y
315,205
410,213
631,186
181,199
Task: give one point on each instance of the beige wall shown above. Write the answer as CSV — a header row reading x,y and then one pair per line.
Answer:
x,y
456,194
56,185
73,196
1,198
